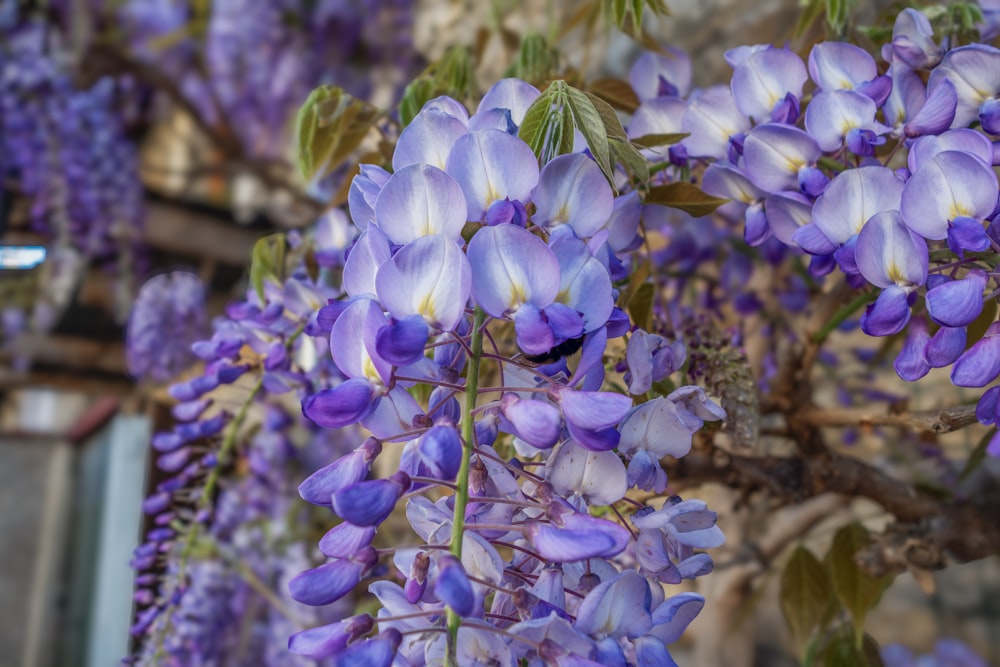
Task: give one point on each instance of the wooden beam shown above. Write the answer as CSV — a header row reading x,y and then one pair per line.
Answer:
x,y
184,231
71,352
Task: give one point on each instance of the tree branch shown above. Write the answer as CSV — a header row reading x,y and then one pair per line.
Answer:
x,y
934,421
929,528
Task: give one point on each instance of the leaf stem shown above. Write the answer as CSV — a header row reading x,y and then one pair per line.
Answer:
x,y
462,482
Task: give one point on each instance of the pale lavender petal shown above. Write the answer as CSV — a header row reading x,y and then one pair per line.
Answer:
x,y
420,200
619,607
731,182
888,253
840,66
584,283
352,342
832,114
511,267
907,97
514,95
913,41
936,114
974,70
662,115
661,74
364,191
952,184
536,422
656,426
572,190
430,277
711,119
597,477
786,213
973,142
773,155
428,139
674,615
364,260
490,166
853,197
764,78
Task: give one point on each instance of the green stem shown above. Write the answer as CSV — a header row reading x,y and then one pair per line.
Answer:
x,y
462,482
841,315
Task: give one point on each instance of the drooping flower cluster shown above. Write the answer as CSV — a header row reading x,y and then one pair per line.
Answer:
x,y
255,61
885,172
167,319
228,521
478,276
66,148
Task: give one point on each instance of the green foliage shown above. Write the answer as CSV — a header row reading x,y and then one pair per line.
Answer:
x,y
329,126
267,261
640,306
857,590
686,197
536,63
805,594
549,123
627,14
838,14
452,75
841,649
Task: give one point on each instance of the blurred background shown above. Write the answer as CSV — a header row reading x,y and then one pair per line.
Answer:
x,y
140,137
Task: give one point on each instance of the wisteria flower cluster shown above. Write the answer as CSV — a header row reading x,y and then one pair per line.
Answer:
x,y
885,173
475,267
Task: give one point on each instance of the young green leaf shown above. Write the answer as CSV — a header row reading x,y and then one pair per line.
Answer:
x,y
805,593
856,589
654,140
592,126
267,261
329,125
548,124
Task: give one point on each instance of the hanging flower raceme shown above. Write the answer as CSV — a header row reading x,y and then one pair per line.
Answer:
x,y
468,257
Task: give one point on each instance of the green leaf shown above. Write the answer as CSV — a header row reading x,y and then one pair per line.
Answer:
x,y
267,261
842,650
548,124
857,590
415,96
594,128
640,306
329,125
805,593
620,8
977,456
536,61
684,196
621,149
452,75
